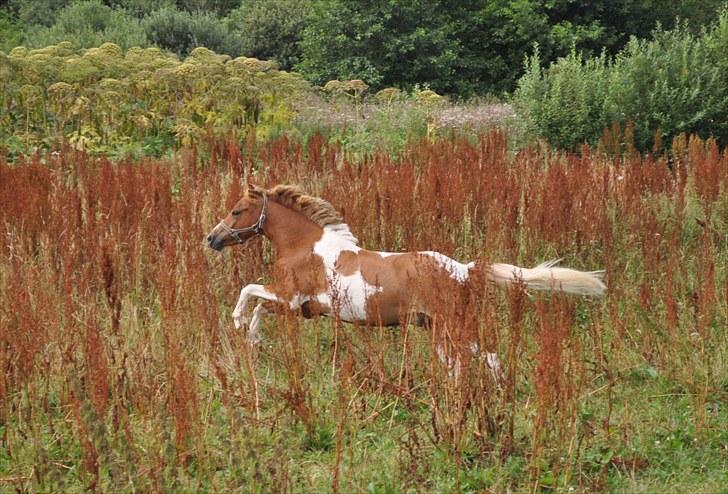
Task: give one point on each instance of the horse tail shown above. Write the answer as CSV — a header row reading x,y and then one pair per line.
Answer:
x,y
546,276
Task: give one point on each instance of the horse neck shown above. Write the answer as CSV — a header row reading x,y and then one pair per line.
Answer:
x,y
290,231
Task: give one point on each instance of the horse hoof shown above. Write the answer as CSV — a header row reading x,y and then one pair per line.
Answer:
x,y
253,339
239,321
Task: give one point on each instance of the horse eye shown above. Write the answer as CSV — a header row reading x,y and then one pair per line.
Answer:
x,y
236,212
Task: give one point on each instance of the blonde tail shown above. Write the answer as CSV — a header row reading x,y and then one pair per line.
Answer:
x,y
546,276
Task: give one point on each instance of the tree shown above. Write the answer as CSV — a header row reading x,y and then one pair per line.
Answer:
x,y
37,12
470,46
401,42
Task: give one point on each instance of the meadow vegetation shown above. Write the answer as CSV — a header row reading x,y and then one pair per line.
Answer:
x,y
123,141
122,371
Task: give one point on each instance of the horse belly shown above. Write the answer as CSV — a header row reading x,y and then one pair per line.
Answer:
x,y
348,297
354,300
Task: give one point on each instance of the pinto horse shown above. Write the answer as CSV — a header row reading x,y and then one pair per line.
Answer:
x,y
321,271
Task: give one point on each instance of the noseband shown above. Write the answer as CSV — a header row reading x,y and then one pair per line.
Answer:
x,y
256,227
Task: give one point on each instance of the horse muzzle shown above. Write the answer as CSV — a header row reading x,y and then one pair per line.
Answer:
x,y
215,242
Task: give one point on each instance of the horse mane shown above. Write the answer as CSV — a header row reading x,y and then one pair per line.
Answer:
x,y
316,209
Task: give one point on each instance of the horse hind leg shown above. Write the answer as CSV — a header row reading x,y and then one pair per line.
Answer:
x,y
421,319
493,363
452,362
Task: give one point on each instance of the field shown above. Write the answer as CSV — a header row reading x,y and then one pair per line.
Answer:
x,y
122,371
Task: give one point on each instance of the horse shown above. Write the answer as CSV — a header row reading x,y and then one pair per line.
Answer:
x,y
321,270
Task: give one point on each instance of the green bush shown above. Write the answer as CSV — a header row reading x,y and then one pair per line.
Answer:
x,y
400,43
564,104
181,32
269,29
671,84
674,83
37,12
89,23
11,32
139,8
468,48
219,7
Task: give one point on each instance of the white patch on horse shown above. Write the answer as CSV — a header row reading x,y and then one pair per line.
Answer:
x,y
346,295
325,300
387,254
341,230
458,271
298,300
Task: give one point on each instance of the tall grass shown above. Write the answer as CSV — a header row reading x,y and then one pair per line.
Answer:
x,y
122,370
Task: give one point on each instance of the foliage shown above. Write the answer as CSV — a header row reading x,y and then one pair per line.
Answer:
x,y
671,84
122,371
362,123
37,12
146,102
105,99
467,47
89,23
674,83
139,8
269,29
43,12
181,32
398,43
11,32
568,102
456,48
219,7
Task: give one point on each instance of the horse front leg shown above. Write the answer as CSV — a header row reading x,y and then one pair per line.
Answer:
x,y
260,310
249,291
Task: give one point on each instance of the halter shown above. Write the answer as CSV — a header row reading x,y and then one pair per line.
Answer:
x,y
256,227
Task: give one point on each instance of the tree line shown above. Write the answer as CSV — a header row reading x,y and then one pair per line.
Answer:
x,y
457,48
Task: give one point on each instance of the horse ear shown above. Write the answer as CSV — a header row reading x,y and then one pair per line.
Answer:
x,y
254,190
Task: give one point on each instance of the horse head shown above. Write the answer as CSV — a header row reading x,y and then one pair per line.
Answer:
x,y
244,222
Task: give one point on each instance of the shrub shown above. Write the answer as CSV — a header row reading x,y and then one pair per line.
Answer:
x,y
468,48
105,99
90,23
674,83
11,32
139,8
181,32
565,103
40,12
219,7
269,29
671,84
